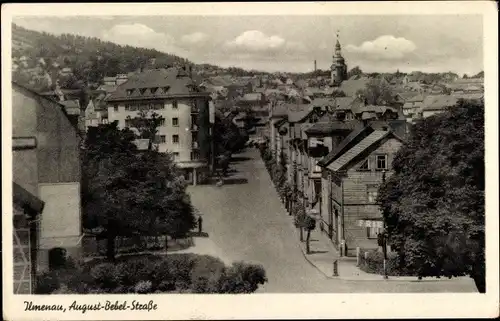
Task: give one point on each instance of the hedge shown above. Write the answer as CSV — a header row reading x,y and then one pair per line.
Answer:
x,y
175,273
374,263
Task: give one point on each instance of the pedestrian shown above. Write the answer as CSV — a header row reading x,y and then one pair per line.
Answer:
x,y
200,224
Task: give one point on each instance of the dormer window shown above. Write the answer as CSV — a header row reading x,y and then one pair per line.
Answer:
x,y
129,92
142,91
154,89
165,89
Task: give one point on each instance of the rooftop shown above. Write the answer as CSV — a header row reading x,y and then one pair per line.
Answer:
x,y
156,83
439,102
357,149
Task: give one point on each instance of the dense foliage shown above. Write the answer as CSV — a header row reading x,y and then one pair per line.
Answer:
x,y
90,59
433,204
175,273
377,92
374,263
228,137
127,192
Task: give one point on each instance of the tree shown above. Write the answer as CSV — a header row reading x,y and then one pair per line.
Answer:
x,y
354,72
377,92
131,193
300,218
310,225
433,204
147,123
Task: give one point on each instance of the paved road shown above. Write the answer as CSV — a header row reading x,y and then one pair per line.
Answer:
x,y
247,222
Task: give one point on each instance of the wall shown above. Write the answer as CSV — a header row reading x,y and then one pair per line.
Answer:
x,y
54,162
355,195
24,169
183,130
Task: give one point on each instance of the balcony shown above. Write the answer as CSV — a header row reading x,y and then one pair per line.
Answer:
x,y
195,145
194,128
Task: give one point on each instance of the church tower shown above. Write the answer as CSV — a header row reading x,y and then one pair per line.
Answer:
x,y
338,68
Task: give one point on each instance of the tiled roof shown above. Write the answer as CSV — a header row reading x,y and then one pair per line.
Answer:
x,y
344,103
415,98
107,88
279,110
439,102
359,129
323,102
469,80
155,83
348,156
252,96
328,124
406,96
476,96
297,112
72,106
373,109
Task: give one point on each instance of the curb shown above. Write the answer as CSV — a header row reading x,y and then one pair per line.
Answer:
x,y
331,277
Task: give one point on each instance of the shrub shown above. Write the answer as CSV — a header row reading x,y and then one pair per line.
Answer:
x,y
181,273
47,282
205,274
143,287
374,263
104,276
130,272
242,278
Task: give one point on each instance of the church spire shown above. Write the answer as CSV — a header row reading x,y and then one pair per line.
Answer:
x,y
338,48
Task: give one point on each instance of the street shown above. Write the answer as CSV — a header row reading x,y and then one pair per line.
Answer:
x,y
247,222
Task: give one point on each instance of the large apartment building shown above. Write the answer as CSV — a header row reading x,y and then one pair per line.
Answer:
x,y
185,130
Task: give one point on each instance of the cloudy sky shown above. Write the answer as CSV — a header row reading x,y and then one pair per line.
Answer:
x,y
434,43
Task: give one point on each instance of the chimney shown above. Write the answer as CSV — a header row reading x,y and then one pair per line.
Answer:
x,y
315,66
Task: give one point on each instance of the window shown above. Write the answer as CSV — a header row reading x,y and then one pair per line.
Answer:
x,y
127,106
115,107
195,155
142,91
364,166
154,89
373,231
129,92
381,162
160,139
174,104
176,155
175,122
175,139
161,122
372,193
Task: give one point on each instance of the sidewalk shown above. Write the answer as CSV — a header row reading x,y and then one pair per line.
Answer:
x,y
323,254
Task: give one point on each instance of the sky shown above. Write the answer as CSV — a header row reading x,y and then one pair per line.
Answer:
x,y
384,43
